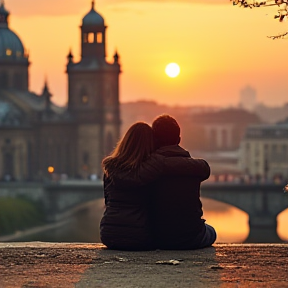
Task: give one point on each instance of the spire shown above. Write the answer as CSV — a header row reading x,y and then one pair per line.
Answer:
x,y
116,57
2,7
45,89
4,14
93,5
70,56
46,94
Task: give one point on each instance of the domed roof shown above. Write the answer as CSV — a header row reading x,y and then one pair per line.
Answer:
x,y
10,114
93,18
10,44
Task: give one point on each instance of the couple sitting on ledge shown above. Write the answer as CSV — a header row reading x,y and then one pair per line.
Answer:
x,y
152,192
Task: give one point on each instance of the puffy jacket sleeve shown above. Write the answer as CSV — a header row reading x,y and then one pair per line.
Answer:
x,y
158,165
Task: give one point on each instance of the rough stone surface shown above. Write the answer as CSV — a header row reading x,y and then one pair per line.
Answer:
x,y
65,265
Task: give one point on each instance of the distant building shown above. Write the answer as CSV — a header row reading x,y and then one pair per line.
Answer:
x,y
217,131
248,98
147,111
264,151
37,136
271,114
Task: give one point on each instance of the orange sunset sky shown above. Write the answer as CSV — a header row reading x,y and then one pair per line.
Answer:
x,y
219,47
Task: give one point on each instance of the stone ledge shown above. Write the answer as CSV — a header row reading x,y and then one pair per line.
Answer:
x,y
49,265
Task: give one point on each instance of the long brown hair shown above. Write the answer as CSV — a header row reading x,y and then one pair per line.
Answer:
x,y
135,146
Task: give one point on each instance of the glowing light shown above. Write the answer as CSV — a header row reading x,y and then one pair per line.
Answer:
x,y
50,169
99,37
172,70
8,52
85,99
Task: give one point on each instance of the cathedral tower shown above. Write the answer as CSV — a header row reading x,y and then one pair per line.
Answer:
x,y
93,95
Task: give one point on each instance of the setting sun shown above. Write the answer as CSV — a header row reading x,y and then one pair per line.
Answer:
x,y
172,70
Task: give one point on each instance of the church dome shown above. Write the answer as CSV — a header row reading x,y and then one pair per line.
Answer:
x,y
93,18
10,44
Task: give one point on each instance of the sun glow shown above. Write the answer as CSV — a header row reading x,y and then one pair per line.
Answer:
x,y
172,70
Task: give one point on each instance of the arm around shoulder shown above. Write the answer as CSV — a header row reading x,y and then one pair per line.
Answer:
x,y
187,166
149,171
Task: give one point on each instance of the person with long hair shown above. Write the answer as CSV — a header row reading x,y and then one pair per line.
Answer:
x,y
126,223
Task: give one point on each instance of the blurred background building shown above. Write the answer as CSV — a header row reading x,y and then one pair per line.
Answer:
x,y
264,152
39,137
248,98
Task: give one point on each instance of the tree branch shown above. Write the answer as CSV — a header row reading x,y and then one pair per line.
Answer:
x,y
280,36
281,15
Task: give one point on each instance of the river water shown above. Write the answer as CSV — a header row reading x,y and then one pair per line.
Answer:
x,y
230,223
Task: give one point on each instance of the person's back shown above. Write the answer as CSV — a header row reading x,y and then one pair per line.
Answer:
x,y
125,223
177,209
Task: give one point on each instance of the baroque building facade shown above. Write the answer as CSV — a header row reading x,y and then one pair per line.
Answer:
x,y
39,137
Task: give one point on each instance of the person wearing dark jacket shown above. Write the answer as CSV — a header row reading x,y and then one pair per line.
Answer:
x,y
127,220
177,208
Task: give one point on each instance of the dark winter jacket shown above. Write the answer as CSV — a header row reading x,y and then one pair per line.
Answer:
x,y
177,209
127,223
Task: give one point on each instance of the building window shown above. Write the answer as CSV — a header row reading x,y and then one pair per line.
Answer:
x,y
8,52
85,159
257,152
213,139
18,54
99,37
8,164
84,98
224,139
91,38
284,153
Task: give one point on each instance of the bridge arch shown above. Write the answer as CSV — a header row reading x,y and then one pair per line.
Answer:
x,y
231,223
262,203
282,228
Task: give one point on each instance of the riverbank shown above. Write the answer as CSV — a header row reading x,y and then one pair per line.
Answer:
x,y
49,265
80,220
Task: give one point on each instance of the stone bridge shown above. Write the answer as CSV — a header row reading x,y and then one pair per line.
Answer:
x,y
262,202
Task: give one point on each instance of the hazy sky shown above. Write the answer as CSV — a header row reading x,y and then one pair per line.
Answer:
x,y
220,48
